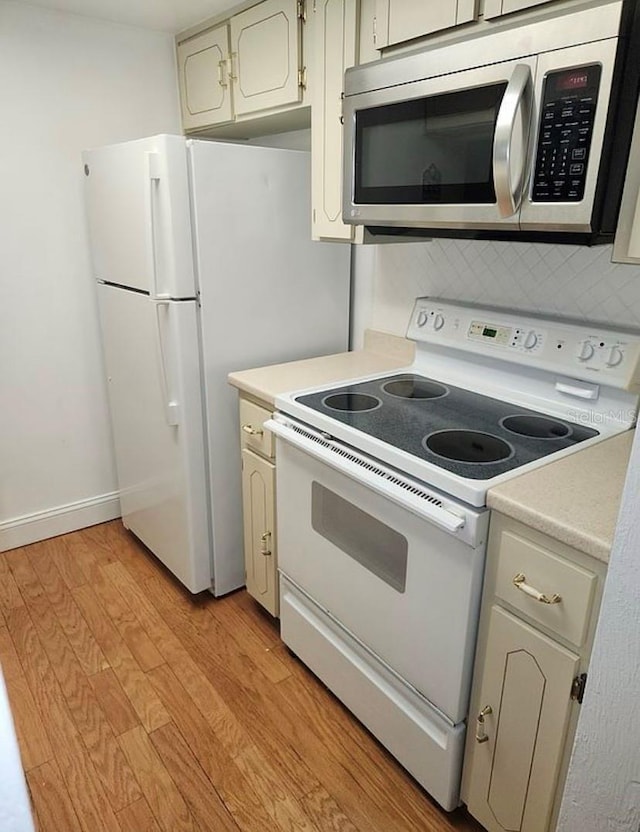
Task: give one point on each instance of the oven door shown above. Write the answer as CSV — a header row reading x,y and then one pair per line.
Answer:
x,y
405,588
445,152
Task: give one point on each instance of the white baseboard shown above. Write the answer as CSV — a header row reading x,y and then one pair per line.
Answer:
x,y
20,531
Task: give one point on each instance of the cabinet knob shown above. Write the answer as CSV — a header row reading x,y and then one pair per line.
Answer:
x,y
519,581
481,734
252,431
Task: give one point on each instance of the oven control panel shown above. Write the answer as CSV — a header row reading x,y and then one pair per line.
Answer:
x,y
592,352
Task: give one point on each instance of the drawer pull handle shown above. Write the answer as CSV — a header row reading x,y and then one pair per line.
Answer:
x,y
481,734
264,544
252,431
519,583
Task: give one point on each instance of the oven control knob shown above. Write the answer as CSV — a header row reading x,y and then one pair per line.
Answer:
x,y
586,351
423,316
438,321
530,340
615,357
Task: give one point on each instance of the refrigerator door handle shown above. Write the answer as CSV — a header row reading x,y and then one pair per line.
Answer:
x,y
153,173
171,406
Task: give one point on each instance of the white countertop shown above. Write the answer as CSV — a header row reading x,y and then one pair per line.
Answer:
x,y
574,500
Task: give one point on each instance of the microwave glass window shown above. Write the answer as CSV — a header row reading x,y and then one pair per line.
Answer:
x,y
428,150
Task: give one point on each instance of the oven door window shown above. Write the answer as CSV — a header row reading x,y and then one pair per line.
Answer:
x,y
434,150
374,545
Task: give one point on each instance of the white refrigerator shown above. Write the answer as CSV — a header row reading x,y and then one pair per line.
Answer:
x,y
204,264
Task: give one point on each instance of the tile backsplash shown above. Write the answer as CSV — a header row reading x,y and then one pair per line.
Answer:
x,y
571,281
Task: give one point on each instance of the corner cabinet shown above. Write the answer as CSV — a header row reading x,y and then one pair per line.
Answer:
x,y
245,67
538,616
259,503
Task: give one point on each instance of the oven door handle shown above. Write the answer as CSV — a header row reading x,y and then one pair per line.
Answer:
x,y
519,94
345,461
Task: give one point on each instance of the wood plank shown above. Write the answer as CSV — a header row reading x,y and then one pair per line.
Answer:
x,y
114,702
203,743
69,569
35,748
325,812
137,818
95,538
10,597
51,799
166,802
9,661
24,574
76,629
145,702
46,570
207,808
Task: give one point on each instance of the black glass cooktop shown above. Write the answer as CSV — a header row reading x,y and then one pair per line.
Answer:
x,y
471,435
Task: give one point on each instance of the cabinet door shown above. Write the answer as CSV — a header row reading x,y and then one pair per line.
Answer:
x,y
335,44
258,503
526,681
205,94
401,20
496,8
265,46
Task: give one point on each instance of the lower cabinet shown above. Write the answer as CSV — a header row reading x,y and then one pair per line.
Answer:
x,y
520,726
538,616
259,504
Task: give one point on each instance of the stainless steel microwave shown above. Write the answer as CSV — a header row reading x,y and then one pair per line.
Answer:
x,y
522,132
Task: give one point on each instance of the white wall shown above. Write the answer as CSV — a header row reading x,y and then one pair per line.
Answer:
x,y
68,83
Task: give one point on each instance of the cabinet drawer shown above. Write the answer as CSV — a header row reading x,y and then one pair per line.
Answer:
x,y
549,575
252,432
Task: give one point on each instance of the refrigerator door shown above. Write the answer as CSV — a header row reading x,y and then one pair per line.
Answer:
x,y
269,294
153,371
137,196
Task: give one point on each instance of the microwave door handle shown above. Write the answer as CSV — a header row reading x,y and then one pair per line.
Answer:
x,y
518,95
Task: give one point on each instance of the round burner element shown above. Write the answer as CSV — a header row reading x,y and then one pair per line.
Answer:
x,y
414,387
537,427
468,446
351,402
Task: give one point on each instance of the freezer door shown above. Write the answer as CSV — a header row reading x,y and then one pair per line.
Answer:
x,y
152,364
137,197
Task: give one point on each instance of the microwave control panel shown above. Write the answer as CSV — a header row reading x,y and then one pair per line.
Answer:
x,y
564,139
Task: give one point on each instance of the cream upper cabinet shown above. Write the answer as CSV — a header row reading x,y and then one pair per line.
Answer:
x,y
244,76
335,49
401,20
205,93
496,8
538,616
265,56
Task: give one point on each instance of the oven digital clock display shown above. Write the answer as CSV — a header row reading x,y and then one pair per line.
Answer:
x,y
483,331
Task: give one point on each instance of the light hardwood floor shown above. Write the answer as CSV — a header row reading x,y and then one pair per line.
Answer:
x,y
140,708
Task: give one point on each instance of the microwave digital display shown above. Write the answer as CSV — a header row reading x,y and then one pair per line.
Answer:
x,y
573,81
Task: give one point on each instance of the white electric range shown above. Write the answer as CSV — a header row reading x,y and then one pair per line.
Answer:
x,y
382,525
